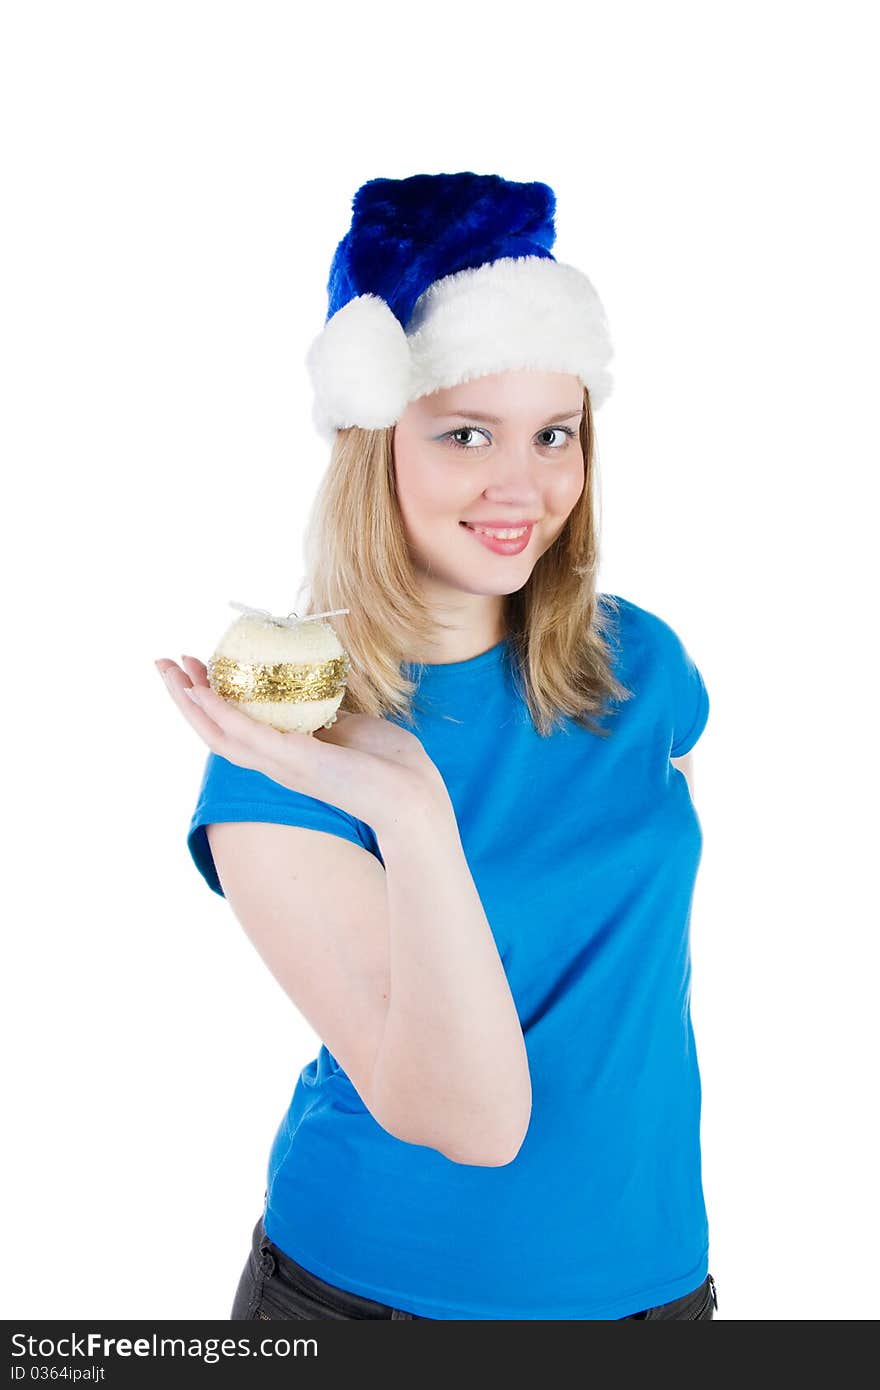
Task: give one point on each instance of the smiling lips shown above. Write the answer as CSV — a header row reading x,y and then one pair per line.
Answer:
x,y
501,533
503,540
500,524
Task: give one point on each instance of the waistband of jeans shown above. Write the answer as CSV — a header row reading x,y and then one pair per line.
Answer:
x,y
267,1254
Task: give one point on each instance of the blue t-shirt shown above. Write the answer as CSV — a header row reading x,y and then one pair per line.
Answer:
x,y
584,851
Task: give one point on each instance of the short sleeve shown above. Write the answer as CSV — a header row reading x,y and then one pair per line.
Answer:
x,y
232,793
689,699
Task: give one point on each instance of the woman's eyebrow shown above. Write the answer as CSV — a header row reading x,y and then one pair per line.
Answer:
x,y
495,420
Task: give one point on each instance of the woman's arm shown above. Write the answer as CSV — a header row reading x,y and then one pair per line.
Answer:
x,y
451,1069
445,1066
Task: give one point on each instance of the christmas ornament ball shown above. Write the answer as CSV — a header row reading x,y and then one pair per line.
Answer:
x,y
289,672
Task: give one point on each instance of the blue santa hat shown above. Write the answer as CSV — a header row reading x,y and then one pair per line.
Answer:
x,y
442,278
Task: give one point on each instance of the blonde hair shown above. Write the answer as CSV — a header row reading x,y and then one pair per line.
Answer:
x,y
357,557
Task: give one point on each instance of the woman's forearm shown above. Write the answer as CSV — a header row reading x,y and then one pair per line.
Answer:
x,y
451,1069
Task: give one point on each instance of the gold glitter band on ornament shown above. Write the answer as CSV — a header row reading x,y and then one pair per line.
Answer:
x,y
280,680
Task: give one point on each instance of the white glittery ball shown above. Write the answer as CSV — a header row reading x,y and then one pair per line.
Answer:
x,y
290,677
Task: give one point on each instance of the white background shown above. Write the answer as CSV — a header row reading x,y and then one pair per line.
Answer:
x,y
176,178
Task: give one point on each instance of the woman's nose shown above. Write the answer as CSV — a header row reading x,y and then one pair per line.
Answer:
x,y
514,470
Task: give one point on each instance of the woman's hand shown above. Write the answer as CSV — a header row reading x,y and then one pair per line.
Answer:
x,y
369,767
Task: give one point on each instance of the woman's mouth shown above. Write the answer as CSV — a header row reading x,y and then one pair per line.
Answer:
x,y
503,540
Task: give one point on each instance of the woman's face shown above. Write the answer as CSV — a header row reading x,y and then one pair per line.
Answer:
x,y
455,469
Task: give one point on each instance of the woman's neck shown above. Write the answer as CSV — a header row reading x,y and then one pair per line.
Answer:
x,y
466,633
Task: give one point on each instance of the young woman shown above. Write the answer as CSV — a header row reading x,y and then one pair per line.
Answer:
x,y
476,884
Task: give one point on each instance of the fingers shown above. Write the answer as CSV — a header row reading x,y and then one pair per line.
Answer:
x,y
195,669
176,683
234,723
226,730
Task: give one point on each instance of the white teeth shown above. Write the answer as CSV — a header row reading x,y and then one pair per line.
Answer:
x,y
506,535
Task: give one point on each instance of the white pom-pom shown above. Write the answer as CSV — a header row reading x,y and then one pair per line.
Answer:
x,y
360,367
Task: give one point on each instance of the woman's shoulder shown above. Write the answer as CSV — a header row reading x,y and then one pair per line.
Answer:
x,y
636,620
625,621
645,640
657,657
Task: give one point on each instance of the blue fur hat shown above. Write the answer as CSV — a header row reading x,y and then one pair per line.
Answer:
x,y
442,278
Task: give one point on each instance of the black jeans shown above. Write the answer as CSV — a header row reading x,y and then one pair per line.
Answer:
x,y
273,1286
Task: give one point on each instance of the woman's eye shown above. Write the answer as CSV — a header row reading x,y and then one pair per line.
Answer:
x,y
465,429
560,429
567,434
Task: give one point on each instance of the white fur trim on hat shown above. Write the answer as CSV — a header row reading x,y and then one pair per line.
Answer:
x,y
523,312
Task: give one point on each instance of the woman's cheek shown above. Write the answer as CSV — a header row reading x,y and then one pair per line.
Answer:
x,y
564,493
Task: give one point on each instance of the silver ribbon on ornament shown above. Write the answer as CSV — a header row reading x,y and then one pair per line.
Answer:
x,y
292,619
